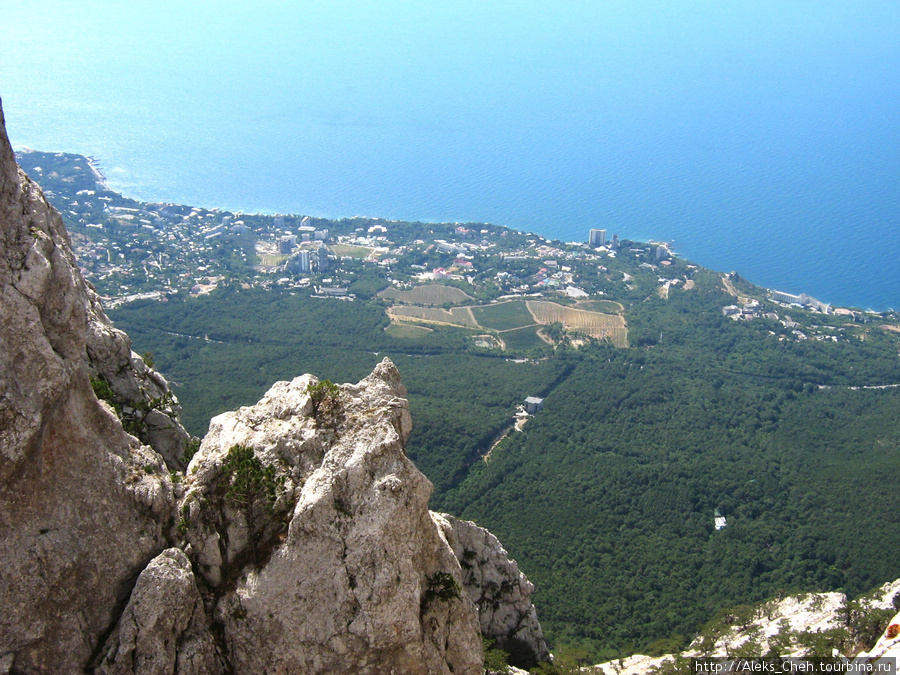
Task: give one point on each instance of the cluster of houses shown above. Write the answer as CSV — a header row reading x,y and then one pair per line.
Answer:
x,y
748,311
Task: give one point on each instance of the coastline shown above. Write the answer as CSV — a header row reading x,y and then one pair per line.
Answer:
x,y
94,165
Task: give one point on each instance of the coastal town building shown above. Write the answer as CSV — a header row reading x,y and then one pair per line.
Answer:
x,y
803,300
301,263
322,258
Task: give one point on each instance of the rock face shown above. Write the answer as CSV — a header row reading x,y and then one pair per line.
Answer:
x,y
83,505
796,625
887,649
164,628
147,405
340,522
298,540
499,590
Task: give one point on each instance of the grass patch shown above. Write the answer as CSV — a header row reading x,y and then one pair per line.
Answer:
x,y
605,306
522,338
351,251
407,331
504,316
458,316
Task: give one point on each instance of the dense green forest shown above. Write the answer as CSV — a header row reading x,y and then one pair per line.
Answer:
x,y
225,350
606,498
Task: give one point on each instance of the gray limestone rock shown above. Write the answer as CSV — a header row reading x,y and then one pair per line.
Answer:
x,y
499,590
333,565
82,504
164,628
154,410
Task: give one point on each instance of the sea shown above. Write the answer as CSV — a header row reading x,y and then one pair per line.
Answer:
x,y
760,136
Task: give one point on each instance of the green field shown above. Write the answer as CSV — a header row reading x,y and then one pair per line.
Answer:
x,y
605,306
349,251
406,330
427,294
522,338
504,316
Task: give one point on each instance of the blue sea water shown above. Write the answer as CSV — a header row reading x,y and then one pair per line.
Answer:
x,y
761,136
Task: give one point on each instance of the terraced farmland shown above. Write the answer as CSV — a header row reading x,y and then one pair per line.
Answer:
x,y
596,324
514,322
427,294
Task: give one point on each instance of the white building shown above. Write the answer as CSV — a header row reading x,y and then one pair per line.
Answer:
x,y
719,520
533,405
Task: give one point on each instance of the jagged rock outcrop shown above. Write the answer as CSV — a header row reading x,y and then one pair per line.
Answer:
x,y
83,505
795,625
332,564
143,396
499,590
297,541
164,628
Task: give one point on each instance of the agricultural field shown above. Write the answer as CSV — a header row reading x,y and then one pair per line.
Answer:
x,y
596,324
605,306
521,338
515,322
427,294
504,316
407,330
458,316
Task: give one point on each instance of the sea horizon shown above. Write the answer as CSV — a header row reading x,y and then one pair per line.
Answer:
x,y
755,137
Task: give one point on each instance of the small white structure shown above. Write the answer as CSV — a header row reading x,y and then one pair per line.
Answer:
x,y
719,519
533,405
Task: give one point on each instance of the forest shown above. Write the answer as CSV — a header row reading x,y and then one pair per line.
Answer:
x,y
606,498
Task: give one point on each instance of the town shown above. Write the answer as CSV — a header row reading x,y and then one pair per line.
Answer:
x,y
131,250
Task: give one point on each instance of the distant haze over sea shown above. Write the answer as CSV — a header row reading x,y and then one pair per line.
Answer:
x,y
756,135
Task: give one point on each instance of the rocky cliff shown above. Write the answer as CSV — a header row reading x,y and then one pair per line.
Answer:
x,y
83,505
807,624
297,540
499,590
